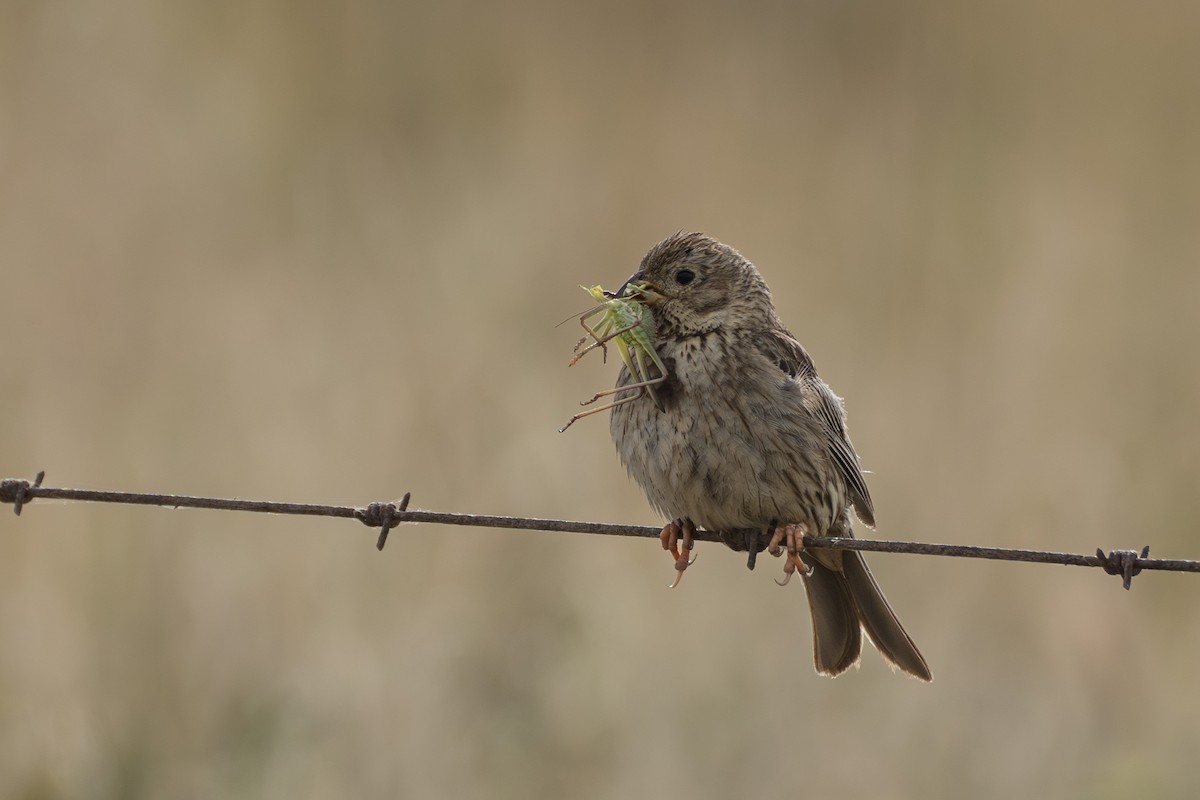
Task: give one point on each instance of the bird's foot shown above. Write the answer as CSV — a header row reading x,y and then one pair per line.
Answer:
x,y
678,537
792,537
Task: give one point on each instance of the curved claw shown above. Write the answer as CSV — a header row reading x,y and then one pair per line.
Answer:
x,y
793,537
793,565
677,537
679,570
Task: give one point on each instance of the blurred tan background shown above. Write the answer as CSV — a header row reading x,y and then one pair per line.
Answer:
x,y
317,252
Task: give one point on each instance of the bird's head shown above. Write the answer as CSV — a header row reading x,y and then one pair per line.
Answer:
x,y
694,284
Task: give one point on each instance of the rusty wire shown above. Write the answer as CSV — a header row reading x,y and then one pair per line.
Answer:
x,y
386,516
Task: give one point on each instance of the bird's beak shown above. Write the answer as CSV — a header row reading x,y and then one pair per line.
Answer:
x,y
637,284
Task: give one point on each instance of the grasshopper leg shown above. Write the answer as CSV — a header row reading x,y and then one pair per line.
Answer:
x,y
662,371
641,390
640,386
601,340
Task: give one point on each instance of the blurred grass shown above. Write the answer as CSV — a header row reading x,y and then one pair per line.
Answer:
x,y
317,252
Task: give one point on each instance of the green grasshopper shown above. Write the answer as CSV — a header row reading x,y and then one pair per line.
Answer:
x,y
626,320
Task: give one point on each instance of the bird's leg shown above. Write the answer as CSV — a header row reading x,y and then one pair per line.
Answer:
x,y
793,538
670,538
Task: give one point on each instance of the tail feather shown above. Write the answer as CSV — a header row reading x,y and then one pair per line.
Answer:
x,y
843,604
880,622
837,634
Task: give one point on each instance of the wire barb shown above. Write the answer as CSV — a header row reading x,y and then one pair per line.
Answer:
x,y
386,516
16,491
1124,563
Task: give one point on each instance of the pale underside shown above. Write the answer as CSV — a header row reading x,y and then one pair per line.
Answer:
x,y
729,458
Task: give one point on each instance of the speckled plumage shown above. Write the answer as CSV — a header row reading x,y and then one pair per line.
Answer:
x,y
750,436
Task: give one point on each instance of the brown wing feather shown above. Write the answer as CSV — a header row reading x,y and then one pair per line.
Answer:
x,y
789,355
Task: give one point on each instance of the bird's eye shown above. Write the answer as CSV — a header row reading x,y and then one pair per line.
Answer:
x,y
684,277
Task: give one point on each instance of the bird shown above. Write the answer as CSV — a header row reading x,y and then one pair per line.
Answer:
x,y
744,436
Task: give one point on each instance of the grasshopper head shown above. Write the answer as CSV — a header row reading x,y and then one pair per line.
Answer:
x,y
596,292
640,289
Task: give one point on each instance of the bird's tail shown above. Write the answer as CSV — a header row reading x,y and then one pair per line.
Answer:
x,y
844,604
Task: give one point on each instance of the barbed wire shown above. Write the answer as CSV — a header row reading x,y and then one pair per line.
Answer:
x,y
386,516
